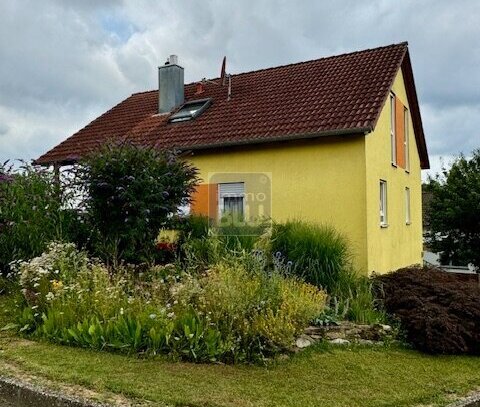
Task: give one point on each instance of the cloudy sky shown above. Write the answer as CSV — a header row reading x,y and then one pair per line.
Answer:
x,y
64,62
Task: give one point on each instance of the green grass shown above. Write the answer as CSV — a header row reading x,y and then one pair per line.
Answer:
x,y
320,376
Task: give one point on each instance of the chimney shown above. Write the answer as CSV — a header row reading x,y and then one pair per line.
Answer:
x,y
170,85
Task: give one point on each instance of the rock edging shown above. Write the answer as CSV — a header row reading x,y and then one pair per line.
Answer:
x,y
470,401
344,333
18,393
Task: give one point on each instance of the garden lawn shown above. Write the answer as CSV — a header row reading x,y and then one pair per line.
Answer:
x,y
319,376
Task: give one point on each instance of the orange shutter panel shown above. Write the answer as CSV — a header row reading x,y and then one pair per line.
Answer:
x,y
400,132
205,200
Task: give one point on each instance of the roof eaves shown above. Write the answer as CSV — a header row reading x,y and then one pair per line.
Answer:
x,y
392,80
290,137
406,67
415,111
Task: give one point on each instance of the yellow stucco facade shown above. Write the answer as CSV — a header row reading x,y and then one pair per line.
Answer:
x,y
399,244
335,180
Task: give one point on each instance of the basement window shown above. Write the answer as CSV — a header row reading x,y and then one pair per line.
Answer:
x,y
190,110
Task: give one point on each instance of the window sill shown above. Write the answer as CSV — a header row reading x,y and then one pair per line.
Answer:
x,y
384,225
408,223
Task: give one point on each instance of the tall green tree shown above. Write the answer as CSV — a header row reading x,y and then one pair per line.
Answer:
x,y
454,211
130,192
30,215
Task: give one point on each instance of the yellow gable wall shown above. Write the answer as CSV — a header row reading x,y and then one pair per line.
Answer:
x,y
399,244
320,180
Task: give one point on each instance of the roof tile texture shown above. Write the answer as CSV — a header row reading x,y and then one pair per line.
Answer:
x,y
339,93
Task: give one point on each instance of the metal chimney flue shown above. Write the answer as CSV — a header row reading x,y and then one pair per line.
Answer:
x,y
170,85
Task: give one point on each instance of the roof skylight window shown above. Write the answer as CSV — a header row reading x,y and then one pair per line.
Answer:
x,y
190,110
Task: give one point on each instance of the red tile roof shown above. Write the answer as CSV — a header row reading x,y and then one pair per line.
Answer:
x,y
342,94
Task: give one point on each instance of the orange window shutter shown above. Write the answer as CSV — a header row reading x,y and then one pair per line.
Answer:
x,y
213,201
400,132
204,200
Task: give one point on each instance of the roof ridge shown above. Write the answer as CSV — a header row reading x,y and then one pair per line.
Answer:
x,y
404,43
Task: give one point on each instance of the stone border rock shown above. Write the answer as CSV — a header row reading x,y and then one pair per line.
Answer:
x,y
21,394
470,401
344,333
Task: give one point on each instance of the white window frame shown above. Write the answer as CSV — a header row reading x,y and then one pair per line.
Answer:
x,y
393,138
383,204
408,214
406,140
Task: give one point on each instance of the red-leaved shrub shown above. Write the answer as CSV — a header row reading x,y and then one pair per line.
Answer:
x,y
439,311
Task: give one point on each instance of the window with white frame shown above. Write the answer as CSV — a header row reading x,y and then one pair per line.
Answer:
x,y
407,206
383,203
232,200
393,141
406,149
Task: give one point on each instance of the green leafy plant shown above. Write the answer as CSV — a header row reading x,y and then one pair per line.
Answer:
x,y
233,311
453,212
30,215
129,193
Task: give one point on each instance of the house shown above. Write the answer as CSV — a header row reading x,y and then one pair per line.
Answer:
x,y
335,140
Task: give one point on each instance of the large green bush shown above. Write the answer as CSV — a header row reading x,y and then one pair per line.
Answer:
x,y
233,312
129,194
30,212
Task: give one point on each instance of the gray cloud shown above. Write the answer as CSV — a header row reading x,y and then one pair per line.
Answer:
x,y
65,62
3,129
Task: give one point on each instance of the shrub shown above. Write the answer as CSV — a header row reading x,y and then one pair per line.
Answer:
x,y
204,243
453,212
318,252
30,215
195,226
240,237
439,311
233,312
259,312
129,193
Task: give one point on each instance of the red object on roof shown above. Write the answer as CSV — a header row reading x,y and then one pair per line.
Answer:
x,y
341,94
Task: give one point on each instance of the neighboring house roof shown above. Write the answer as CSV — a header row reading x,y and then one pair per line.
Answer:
x,y
337,95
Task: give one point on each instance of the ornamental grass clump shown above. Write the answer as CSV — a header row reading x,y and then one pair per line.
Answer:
x,y
318,253
233,311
